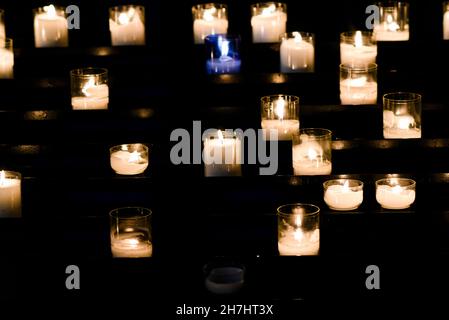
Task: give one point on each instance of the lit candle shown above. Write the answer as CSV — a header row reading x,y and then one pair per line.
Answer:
x,y
50,27
357,50
129,159
309,160
228,60
295,240
297,54
131,245
6,58
222,155
209,19
2,25
285,128
126,24
95,96
270,24
10,195
446,23
389,30
395,193
343,194
358,91
400,126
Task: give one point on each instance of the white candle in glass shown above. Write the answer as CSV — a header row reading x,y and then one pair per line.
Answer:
x,y
394,196
128,162
96,96
358,91
342,197
269,25
222,156
10,195
389,30
6,59
400,126
308,160
446,26
296,242
297,54
130,245
285,128
50,28
128,28
357,53
209,24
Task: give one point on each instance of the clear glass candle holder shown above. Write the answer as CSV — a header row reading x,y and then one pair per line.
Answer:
x,y
6,58
312,152
402,115
393,21
343,194
130,232
89,88
2,24
395,193
222,153
127,25
297,52
298,229
280,115
268,21
10,194
50,27
357,48
446,20
209,18
358,84
129,159
223,54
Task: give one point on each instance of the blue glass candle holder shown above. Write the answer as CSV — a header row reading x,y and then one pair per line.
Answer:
x,y
223,54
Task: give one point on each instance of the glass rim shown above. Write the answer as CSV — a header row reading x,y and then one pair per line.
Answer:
x,y
329,182
114,213
414,97
122,6
304,34
315,212
350,36
268,3
326,132
57,8
12,174
411,182
359,68
272,97
207,5
81,72
391,4
7,40
226,134
144,145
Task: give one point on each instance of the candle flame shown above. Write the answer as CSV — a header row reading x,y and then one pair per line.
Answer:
x,y
2,177
50,10
280,108
134,157
346,186
209,14
358,40
397,189
405,122
220,136
298,234
87,86
297,36
125,17
391,24
270,10
312,154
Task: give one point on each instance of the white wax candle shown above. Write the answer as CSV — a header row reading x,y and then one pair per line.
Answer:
x,y
299,243
308,160
6,63
342,198
446,26
128,163
358,91
128,30
269,25
394,197
131,246
389,31
50,29
285,128
358,54
209,24
222,156
297,55
96,97
10,197
400,127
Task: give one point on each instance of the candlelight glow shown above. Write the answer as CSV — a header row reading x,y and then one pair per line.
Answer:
x,y
134,157
87,86
2,177
391,24
220,136
280,108
297,36
209,14
50,10
312,154
270,10
358,40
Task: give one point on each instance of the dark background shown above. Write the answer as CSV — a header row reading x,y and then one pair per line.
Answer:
x,y
69,188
